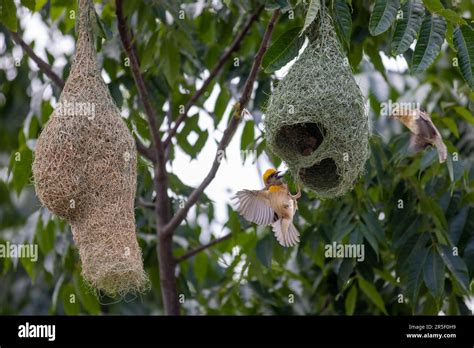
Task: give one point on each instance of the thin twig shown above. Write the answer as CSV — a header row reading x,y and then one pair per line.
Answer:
x,y
137,76
145,151
229,132
200,248
42,65
215,71
146,204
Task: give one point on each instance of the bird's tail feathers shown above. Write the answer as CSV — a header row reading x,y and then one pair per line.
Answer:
x,y
285,232
442,150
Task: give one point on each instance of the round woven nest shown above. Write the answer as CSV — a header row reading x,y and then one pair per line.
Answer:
x,y
316,120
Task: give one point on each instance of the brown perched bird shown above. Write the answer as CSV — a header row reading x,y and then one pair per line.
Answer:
x,y
274,205
424,132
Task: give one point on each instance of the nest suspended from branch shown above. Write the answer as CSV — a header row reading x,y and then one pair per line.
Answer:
x,y
85,172
316,120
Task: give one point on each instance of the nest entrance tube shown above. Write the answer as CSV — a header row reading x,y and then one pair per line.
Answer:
x,y
316,120
322,176
85,172
304,138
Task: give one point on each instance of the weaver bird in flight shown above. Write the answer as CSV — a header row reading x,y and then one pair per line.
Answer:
x,y
274,205
424,132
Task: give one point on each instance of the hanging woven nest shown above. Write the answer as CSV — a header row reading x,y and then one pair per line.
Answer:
x,y
316,120
85,172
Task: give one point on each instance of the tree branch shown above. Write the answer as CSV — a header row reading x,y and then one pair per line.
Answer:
x,y
229,132
146,204
200,248
137,76
160,177
162,205
145,151
42,65
215,71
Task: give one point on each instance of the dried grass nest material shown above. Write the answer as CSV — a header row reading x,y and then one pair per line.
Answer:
x,y
85,172
316,120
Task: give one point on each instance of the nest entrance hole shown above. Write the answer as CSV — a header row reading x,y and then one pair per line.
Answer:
x,y
301,138
321,176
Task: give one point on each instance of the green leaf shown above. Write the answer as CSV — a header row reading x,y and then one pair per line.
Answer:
x,y
191,125
438,215
374,225
464,43
343,18
416,265
55,296
284,49
433,273
456,266
46,236
207,27
433,30
29,4
435,7
313,9
449,164
429,157
432,209
451,125
200,266
8,14
221,104
383,15
408,26
452,17
97,27
372,50
372,294
170,60
29,267
87,298
465,114
450,35
264,250
457,225
40,4
70,301
20,165
248,135
350,301
277,4
370,237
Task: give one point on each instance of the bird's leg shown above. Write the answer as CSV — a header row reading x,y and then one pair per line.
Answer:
x,y
298,194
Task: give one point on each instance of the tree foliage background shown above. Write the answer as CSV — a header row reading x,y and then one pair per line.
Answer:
x,y
410,211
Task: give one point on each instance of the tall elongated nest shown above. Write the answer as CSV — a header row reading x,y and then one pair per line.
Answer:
x,y
85,172
316,120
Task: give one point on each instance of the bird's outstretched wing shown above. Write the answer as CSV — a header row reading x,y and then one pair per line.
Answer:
x,y
417,143
429,131
253,205
426,128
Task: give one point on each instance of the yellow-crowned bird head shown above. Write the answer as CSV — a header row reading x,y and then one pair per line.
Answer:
x,y
272,177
